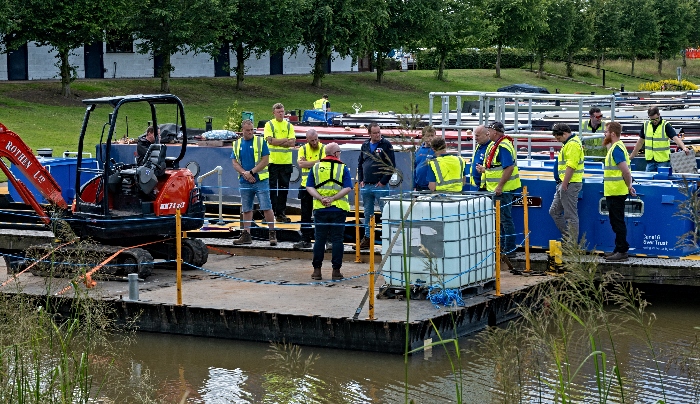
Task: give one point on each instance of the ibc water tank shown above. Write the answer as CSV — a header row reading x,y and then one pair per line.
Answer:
x,y
449,239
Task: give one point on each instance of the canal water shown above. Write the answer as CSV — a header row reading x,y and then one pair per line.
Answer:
x,y
225,371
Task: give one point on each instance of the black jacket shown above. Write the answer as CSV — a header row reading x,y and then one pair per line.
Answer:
x,y
142,147
373,170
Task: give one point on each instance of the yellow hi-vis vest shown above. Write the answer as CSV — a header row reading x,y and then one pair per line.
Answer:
x,y
593,146
279,130
257,155
657,146
613,183
449,173
328,176
492,176
572,150
320,104
310,155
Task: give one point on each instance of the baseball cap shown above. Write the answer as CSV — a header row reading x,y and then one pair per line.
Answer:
x,y
497,126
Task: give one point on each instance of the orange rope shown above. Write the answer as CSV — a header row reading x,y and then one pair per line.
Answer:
x,y
15,276
220,250
87,278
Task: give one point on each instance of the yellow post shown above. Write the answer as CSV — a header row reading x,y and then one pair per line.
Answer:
x,y
178,258
357,222
498,248
371,268
526,230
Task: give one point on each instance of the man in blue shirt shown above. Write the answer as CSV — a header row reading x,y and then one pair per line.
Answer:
x,y
420,164
329,183
481,136
250,158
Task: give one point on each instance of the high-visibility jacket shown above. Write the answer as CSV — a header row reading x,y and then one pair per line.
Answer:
x,y
593,146
328,177
657,146
613,183
279,130
449,173
571,154
257,155
311,155
492,175
320,104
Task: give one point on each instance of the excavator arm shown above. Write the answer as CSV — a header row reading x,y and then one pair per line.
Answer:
x,y
18,153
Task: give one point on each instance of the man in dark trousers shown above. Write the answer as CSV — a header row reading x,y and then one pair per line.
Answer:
x,y
329,183
309,154
375,167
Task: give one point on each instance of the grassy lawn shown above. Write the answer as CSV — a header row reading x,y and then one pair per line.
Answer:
x,y
43,118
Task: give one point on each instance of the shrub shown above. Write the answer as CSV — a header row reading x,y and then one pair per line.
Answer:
x,y
667,85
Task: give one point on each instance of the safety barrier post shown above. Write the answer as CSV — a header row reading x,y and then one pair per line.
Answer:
x,y
498,248
357,222
371,268
526,230
178,257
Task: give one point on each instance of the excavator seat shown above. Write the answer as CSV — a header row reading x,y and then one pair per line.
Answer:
x,y
146,175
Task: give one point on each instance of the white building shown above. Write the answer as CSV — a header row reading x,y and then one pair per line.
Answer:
x,y
33,62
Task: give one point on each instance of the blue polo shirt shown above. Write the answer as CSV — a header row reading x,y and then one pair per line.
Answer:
x,y
421,166
247,158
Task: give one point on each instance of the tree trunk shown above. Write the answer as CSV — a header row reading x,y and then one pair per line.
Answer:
x,y
660,64
685,63
240,66
598,61
380,66
633,59
498,61
540,69
441,66
569,65
165,74
66,76
319,71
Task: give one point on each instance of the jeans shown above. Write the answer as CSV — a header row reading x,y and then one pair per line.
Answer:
x,y
616,212
307,210
330,226
371,193
564,209
249,191
507,225
279,186
652,165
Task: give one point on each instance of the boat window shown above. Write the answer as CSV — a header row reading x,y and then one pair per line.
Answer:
x,y
633,207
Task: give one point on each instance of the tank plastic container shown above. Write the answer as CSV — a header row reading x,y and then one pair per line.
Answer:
x,y
447,240
63,170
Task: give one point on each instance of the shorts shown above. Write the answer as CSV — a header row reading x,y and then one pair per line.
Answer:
x,y
249,191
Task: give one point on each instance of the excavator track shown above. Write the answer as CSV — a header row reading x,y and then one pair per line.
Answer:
x,y
77,259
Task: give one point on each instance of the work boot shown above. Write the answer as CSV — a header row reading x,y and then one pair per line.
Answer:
x,y
609,254
617,257
336,275
273,238
283,218
317,274
243,239
302,244
364,244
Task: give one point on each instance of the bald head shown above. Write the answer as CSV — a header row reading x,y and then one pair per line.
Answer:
x,y
332,149
481,134
312,138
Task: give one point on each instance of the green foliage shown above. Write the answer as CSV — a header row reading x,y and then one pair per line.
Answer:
x,y
667,85
474,59
234,119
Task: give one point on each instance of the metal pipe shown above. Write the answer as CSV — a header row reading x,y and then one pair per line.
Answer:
x,y
133,286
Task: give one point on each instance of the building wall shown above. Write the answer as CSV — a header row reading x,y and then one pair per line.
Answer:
x,y
41,64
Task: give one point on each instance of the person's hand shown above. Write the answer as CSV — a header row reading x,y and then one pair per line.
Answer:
x,y
379,185
269,139
249,176
480,168
498,190
632,191
686,151
302,158
362,184
564,186
326,201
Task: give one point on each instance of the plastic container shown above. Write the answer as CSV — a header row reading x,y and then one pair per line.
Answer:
x,y
63,170
247,115
455,231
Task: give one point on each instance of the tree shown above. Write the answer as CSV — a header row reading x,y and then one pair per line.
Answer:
x,y
334,26
169,26
640,32
601,16
249,29
447,30
674,21
578,32
510,23
61,25
693,37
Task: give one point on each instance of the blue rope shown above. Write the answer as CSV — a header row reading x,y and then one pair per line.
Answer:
x,y
439,296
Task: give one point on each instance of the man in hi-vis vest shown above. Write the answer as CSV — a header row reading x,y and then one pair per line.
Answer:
x,y
617,186
309,154
280,138
655,137
329,182
568,174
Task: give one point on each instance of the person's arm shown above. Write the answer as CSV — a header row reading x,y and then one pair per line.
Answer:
x,y
360,160
389,150
431,186
637,147
303,162
627,176
247,175
567,178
